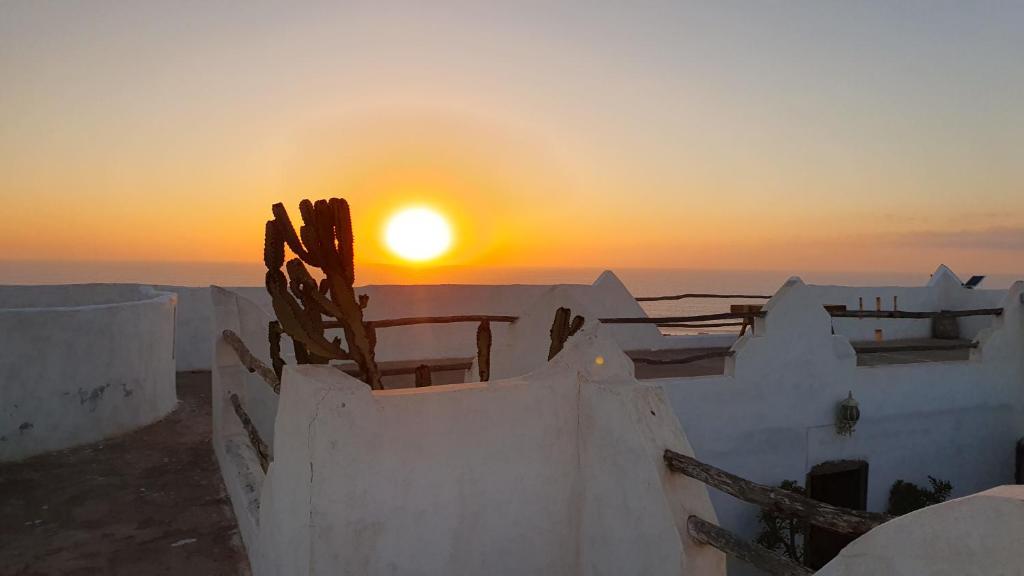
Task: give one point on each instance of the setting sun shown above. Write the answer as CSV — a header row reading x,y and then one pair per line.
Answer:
x,y
418,234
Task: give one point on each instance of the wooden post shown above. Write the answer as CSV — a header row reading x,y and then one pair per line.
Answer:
x,y
422,376
762,558
483,350
262,451
842,520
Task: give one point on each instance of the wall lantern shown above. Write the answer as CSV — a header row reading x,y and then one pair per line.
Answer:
x,y
848,415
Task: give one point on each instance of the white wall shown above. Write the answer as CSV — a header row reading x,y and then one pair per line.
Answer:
x,y
771,416
979,535
559,472
524,347
79,363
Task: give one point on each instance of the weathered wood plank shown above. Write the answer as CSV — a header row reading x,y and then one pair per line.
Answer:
x,y
262,451
708,325
353,370
672,319
250,362
387,323
760,557
685,359
842,520
682,296
873,349
907,314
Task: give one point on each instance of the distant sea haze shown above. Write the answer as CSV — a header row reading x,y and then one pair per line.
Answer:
x,y
640,281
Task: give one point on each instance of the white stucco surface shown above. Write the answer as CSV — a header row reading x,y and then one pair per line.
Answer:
x,y
771,416
79,363
558,472
979,535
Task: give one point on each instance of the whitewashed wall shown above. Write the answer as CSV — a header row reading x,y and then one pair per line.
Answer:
x,y
771,416
944,291
559,472
79,363
524,347
979,535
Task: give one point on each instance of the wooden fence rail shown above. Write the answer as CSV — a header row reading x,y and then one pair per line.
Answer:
x,y
708,325
682,296
411,321
684,359
251,363
872,349
839,313
842,520
775,564
262,451
682,319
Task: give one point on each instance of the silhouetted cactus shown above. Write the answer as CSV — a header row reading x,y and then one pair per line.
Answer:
x,y
324,241
562,328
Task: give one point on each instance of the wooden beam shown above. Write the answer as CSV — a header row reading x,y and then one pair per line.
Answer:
x,y
353,370
708,325
674,319
684,359
262,451
873,349
758,556
682,296
251,363
906,314
842,520
387,323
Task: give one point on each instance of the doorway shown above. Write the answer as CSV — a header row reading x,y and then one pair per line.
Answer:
x,y
840,483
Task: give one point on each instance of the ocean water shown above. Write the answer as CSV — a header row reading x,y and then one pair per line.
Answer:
x,y
640,281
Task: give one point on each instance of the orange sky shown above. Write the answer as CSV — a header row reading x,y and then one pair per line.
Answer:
x,y
828,138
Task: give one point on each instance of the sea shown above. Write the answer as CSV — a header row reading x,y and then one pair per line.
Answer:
x,y
640,281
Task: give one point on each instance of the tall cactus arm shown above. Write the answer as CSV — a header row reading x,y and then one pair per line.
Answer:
x,y
284,225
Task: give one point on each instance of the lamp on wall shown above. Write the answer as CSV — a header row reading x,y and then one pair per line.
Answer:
x,y
847,416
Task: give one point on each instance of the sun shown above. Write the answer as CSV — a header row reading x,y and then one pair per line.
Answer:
x,y
418,234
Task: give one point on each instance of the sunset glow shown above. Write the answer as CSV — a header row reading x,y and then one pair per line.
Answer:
x,y
418,234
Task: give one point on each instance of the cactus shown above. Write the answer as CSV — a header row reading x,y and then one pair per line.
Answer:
x,y
324,241
562,328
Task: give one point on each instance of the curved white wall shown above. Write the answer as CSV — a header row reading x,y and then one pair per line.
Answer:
x,y
79,363
977,535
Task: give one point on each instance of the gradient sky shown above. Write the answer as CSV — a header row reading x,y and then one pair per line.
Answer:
x,y
758,135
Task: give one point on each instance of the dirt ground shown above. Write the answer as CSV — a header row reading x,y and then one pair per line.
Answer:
x,y
150,502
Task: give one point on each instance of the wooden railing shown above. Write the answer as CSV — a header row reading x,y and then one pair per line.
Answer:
x,y
684,359
842,312
255,366
783,502
483,339
695,295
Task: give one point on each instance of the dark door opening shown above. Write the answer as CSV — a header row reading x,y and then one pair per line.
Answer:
x,y
840,483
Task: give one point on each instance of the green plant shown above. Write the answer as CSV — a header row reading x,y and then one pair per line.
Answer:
x,y
906,497
780,533
300,303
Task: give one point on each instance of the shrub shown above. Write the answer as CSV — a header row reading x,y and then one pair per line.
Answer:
x,y
780,533
906,497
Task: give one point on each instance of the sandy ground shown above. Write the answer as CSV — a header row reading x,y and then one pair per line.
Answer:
x,y
150,502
